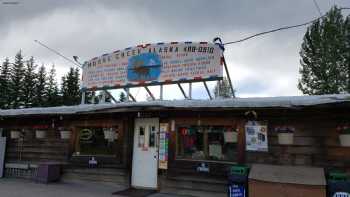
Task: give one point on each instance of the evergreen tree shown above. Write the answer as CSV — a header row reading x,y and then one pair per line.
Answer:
x,y
223,89
52,91
29,83
323,56
5,77
347,49
71,87
122,97
40,88
17,82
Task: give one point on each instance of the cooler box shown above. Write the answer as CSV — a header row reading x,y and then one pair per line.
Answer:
x,y
48,172
286,181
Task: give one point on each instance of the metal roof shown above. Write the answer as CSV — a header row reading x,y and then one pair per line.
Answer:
x,y
234,103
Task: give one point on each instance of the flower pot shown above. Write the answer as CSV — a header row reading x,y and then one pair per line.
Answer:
x,y
285,138
65,134
344,139
40,134
109,134
15,134
230,137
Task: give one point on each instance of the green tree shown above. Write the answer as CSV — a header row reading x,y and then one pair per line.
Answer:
x,y
223,89
324,56
40,88
17,82
52,91
347,54
71,87
29,83
5,77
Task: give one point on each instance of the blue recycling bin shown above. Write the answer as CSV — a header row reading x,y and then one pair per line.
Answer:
x,y
238,181
338,185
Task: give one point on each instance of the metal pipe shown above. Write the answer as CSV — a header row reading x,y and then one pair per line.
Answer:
x,y
228,77
182,90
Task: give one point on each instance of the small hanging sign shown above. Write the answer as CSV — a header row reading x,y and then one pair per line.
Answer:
x,y
163,145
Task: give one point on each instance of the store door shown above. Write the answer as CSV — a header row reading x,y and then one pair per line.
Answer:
x,y
145,154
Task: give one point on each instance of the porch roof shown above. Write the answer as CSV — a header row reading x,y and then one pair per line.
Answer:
x,y
234,103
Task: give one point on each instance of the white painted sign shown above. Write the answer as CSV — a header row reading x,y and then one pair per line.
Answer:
x,y
154,64
256,136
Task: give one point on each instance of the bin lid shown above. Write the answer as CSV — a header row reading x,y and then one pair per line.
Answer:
x,y
288,174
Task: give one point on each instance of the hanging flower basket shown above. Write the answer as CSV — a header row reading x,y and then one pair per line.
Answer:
x,y
65,134
109,134
285,135
230,136
344,136
15,134
40,134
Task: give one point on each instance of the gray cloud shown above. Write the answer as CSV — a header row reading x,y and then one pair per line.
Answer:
x,y
265,66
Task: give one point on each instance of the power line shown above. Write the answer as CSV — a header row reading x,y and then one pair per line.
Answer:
x,y
58,53
317,7
278,29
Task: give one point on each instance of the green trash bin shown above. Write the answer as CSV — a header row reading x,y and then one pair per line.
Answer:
x,y
238,181
338,184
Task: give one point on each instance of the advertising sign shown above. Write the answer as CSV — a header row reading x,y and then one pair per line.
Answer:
x,y
163,145
154,64
256,136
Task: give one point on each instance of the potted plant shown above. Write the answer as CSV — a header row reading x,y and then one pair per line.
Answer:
x,y
109,133
344,136
230,135
15,134
285,135
40,134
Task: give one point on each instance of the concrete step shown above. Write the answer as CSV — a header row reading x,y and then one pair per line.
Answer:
x,y
194,193
195,184
104,175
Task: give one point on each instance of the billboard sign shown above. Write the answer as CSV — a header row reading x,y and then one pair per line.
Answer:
x,y
154,64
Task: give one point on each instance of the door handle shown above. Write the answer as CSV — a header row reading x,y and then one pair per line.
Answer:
x,y
155,156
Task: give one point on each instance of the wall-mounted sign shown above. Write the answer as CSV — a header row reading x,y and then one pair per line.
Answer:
x,y
203,167
163,145
154,64
256,136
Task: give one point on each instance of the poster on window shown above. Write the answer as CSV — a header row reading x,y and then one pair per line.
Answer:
x,y
163,145
256,136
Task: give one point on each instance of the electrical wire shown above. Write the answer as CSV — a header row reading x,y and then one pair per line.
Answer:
x,y
58,53
278,29
317,7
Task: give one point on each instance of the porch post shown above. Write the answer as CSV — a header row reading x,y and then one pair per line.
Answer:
x,y
241,141
83,98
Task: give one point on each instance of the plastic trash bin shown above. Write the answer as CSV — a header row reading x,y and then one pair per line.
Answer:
x,y
338,184
238,181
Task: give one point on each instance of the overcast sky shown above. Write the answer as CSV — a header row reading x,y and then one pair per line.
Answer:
x,y
265,66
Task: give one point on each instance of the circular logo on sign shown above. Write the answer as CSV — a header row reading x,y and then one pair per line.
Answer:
x,y
86,134
341,194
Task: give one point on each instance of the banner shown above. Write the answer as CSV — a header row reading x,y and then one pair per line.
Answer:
x,y
163,145
154,64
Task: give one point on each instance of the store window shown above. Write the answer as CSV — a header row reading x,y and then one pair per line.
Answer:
x,y
98,140
207,143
